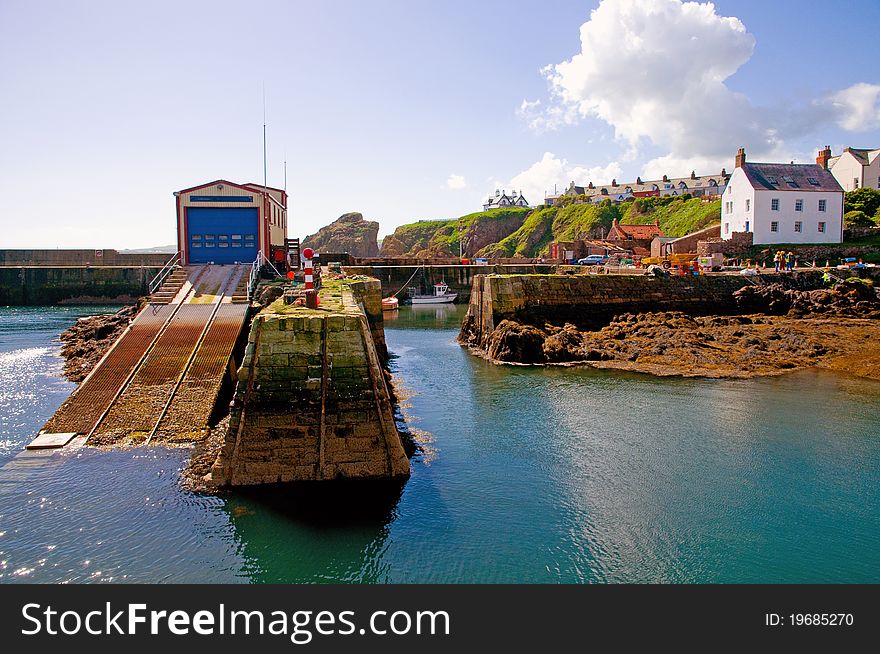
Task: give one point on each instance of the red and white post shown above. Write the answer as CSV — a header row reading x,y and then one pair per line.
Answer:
x,y
308,271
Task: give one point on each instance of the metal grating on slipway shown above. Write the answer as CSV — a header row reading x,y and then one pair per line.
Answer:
x,y
136,410
84,407
165,371
187,416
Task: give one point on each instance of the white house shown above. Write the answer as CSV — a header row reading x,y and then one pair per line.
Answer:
x,y
501,199
855,168
782,203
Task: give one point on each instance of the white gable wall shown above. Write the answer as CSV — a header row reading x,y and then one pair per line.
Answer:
x,y
848,169
738,190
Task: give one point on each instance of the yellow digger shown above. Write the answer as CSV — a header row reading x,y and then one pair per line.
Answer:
x,y
671,260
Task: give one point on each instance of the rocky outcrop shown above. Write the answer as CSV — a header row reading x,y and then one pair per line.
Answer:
x,y
853,298
349,233
88,340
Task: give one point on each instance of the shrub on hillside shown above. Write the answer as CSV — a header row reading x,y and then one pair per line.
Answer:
x,y
855,219
866,200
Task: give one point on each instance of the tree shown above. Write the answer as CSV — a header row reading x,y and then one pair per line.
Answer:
x,y
857,219
866,200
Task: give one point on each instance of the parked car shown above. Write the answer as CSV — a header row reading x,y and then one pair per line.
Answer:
x,y
593,260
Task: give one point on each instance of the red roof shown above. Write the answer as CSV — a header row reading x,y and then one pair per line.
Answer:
x,y
635,232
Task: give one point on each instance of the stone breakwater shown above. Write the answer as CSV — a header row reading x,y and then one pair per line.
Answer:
x,y
555,321
312,401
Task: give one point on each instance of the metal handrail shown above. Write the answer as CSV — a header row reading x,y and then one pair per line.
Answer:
x,y
254,278
170,265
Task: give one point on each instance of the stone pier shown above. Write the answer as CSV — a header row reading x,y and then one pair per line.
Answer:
x,y
312,401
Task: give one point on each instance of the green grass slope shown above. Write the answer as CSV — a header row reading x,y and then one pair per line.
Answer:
x,y
678,215
440,237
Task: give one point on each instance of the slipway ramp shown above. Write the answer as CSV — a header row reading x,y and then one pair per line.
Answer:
x,y
160,380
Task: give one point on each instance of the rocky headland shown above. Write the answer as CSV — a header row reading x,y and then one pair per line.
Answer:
x,y
349,233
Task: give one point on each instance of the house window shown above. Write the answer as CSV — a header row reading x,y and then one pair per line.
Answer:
x,y
798,205
727,228
821,226
774,204
822,205
748,204
797,226
878,182
747,226
774,226
855,182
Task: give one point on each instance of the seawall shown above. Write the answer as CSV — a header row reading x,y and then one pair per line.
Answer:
x,y
593,299
44,285
459,277
59,258
312,401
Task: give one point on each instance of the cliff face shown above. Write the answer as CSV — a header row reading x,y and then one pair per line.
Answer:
x,y
349,233
440,238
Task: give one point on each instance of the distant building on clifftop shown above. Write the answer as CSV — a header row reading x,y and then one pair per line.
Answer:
x,y
501,199
782,203
701,186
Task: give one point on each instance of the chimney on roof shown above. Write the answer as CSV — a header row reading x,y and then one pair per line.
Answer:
x,y
657,223
613,182
693,175
824,156
665,178
724,172
638,180
740,157
590,185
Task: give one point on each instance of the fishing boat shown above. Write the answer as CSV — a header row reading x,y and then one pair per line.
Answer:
x,y
389,303
441,295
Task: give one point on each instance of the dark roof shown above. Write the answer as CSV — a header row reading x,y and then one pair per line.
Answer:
x,y
790,177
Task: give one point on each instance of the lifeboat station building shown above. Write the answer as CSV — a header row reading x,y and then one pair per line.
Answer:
x,y
222,222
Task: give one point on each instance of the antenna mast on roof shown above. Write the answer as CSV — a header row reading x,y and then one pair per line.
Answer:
x,y
265,165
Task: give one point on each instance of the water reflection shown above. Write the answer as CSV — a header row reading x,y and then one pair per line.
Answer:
x,y
316,533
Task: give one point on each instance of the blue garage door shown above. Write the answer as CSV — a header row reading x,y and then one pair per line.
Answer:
x,y
221,234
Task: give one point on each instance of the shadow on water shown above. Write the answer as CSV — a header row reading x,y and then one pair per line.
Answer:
x,y
333,532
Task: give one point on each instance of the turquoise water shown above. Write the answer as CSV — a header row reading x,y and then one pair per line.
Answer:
x,y
526,474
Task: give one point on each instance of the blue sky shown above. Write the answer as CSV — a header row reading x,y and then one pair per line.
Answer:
x,y
402,110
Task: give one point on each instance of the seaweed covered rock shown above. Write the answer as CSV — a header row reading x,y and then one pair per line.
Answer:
x,y
515,342
566,344
854,298
88,340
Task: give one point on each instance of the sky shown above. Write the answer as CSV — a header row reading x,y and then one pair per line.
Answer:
x,y
404,109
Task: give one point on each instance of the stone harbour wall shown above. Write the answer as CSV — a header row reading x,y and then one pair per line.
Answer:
x,y
459,277
312,402
44,285
580,299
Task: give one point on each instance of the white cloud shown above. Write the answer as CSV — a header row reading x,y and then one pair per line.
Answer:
x,y
541,176
456,182
655,71
858,107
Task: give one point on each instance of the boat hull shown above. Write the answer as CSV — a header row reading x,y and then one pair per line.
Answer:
x,y
448,298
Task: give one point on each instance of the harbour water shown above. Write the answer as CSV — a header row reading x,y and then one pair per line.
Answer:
x,y
525,475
